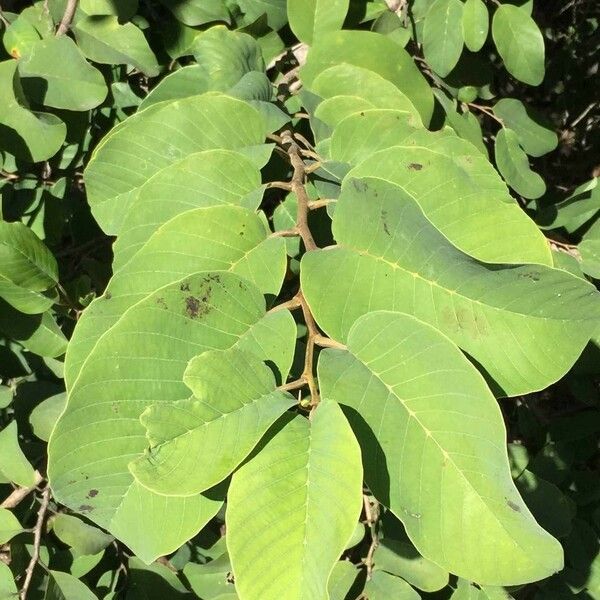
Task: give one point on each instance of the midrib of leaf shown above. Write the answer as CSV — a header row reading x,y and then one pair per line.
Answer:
x,y
29,260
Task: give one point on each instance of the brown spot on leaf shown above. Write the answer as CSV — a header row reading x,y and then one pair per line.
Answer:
x,y
92,493
513,506
415,166
85,508
107,296
533,275
192,306
185,287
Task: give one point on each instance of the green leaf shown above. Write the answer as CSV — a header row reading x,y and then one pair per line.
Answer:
x,y
273,10
433,399
83,538
31,136
444,175
202,179
6,396
228,238
104,40
27,268
44,416
377,53
443,35
187,81
9,526
535,138
46,81
20,36
211,580
467,591
8,588
306,478
13,464
154,582
196,443
383,586
62,586
163,134
198,12
138,362
515,321
124,9
314,19
475,24
403,560
519,43
513,165
342,579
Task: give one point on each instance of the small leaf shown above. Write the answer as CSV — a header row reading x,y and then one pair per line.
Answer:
x,y
13,464
443,35
44,416
124,9
104,40
342,579
83,538
408,386
196,443
519,43
155,582
307,478
62,586
383,586
20,36
535,138
274,11
475,24
314,19
9,527
8,588
198,12
46,81
514,166
6,396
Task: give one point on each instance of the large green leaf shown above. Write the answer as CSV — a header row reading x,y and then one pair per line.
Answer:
x,y
515,321
513,165
104,40
153,139
433,443
535,138
475,24
31,136
226,238
209,178
293,506
139,362
519,43
46,80
443,35
377,53
196,443
27,268
313,19
447,176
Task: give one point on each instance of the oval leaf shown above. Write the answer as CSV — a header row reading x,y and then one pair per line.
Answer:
x,y
443,35
314,19
475,24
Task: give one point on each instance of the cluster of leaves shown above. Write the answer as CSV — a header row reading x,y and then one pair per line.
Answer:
x,y
285,312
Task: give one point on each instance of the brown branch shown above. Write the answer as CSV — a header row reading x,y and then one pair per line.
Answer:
x,y
314,204
280,185
486,111
37,539
371,517
291,304
67,18
18,495
286,233
309,355
325,342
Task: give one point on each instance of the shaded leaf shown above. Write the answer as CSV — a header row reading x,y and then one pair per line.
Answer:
x,y
198,12
44,416
62,586
83,538
9,526
13,464
383,586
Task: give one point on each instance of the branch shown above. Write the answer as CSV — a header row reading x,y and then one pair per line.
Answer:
x,y
18,495
37,539
65,22
371,517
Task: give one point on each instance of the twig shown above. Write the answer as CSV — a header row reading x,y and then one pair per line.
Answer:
x,y
280,185
65,22
487,111
18,495
291,304
286,233
314,204
371,517
37,538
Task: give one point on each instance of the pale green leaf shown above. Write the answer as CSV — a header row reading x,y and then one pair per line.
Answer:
x,y
517,322
14,466
159,136
447,176
519,43
342,579
210,580
202,179
227,238
197,442
513,165
62,586
377,53
9,526
104,40
198,12
139,362
44,416
20,36
443,35
409,387
6,396
403,560
83,538
46,81
535,138
8,588
383,586
312,20
475,24
31,136
292,507
467,591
